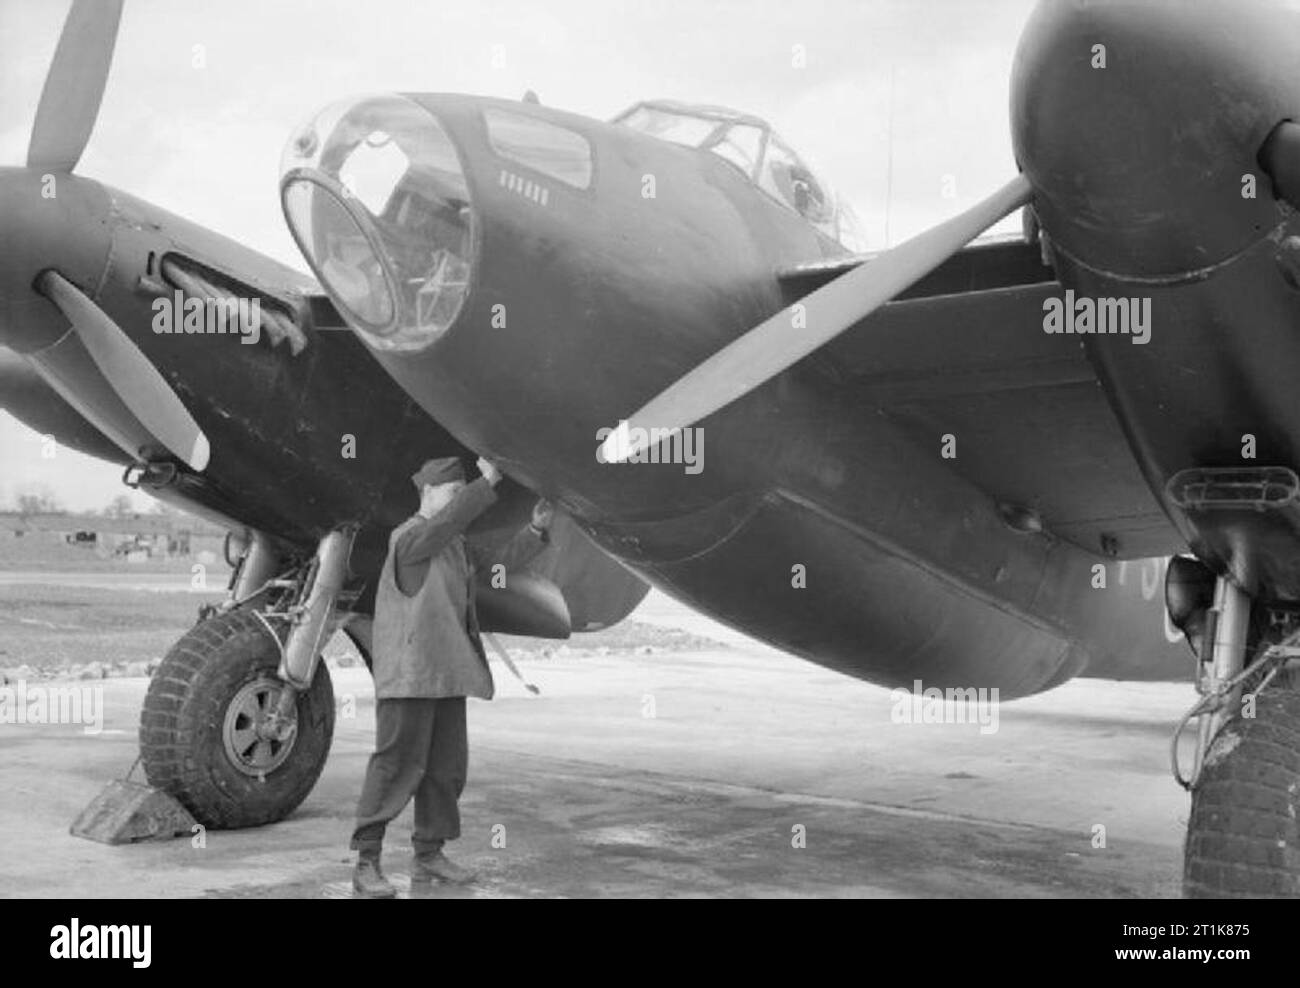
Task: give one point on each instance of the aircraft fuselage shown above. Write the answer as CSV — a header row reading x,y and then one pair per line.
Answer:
x,y
816,523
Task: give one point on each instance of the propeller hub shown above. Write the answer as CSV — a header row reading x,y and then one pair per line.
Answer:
x,y
50,221
1139,122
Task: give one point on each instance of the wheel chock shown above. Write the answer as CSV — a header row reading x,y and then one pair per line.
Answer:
x,y
129,812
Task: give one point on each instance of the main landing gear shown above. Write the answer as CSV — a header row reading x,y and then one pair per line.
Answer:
x,y
239,716
1243,838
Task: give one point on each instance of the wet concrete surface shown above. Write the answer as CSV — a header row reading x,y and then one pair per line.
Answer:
x,y
731,772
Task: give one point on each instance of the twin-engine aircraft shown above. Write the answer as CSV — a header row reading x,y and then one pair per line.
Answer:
x,y
955,463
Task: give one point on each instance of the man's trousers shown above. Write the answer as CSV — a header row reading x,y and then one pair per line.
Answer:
x,y
421,751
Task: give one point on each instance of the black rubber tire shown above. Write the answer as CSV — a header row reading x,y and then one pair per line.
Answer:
x,y
182,722
1242,836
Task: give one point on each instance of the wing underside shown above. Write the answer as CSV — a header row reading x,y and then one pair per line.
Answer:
x,y
964,353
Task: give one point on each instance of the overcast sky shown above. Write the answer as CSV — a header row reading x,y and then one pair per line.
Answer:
x,y
204,93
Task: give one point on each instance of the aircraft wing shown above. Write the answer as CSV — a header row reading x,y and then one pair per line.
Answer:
x,y
963,352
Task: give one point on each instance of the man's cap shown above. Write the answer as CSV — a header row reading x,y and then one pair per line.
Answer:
x,y
440,471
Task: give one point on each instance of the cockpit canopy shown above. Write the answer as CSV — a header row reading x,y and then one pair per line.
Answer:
x,y
751,145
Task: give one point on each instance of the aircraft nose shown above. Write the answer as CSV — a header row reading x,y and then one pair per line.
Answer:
x,y
47,221
1139,122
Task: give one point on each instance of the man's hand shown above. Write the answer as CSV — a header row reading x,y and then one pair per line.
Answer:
x,y
543,515
489,471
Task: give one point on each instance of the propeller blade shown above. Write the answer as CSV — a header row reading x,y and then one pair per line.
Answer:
x,y
67,368
772,346
135,379
74,86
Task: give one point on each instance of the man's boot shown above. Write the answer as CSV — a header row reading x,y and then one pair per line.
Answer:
x,y
368,879
434,866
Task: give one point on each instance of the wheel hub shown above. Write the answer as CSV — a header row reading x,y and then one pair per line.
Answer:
x,y
254,742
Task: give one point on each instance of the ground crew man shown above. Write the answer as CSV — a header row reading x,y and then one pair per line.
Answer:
x,y
427,659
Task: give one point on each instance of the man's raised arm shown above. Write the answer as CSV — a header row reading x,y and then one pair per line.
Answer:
x,y
425,539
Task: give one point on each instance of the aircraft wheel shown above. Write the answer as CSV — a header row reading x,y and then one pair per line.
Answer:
x,y
1242,837
198,738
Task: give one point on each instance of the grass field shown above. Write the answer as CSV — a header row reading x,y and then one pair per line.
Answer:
x,y
49,628
59,630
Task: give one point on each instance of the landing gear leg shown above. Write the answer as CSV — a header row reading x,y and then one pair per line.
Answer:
x,y
1225,649
238,719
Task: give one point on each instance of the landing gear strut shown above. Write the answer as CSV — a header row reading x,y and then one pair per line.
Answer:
x,y
1223,641
239,716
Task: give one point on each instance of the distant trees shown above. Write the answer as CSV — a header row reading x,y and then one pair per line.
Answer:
x,y
120,507
39,500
